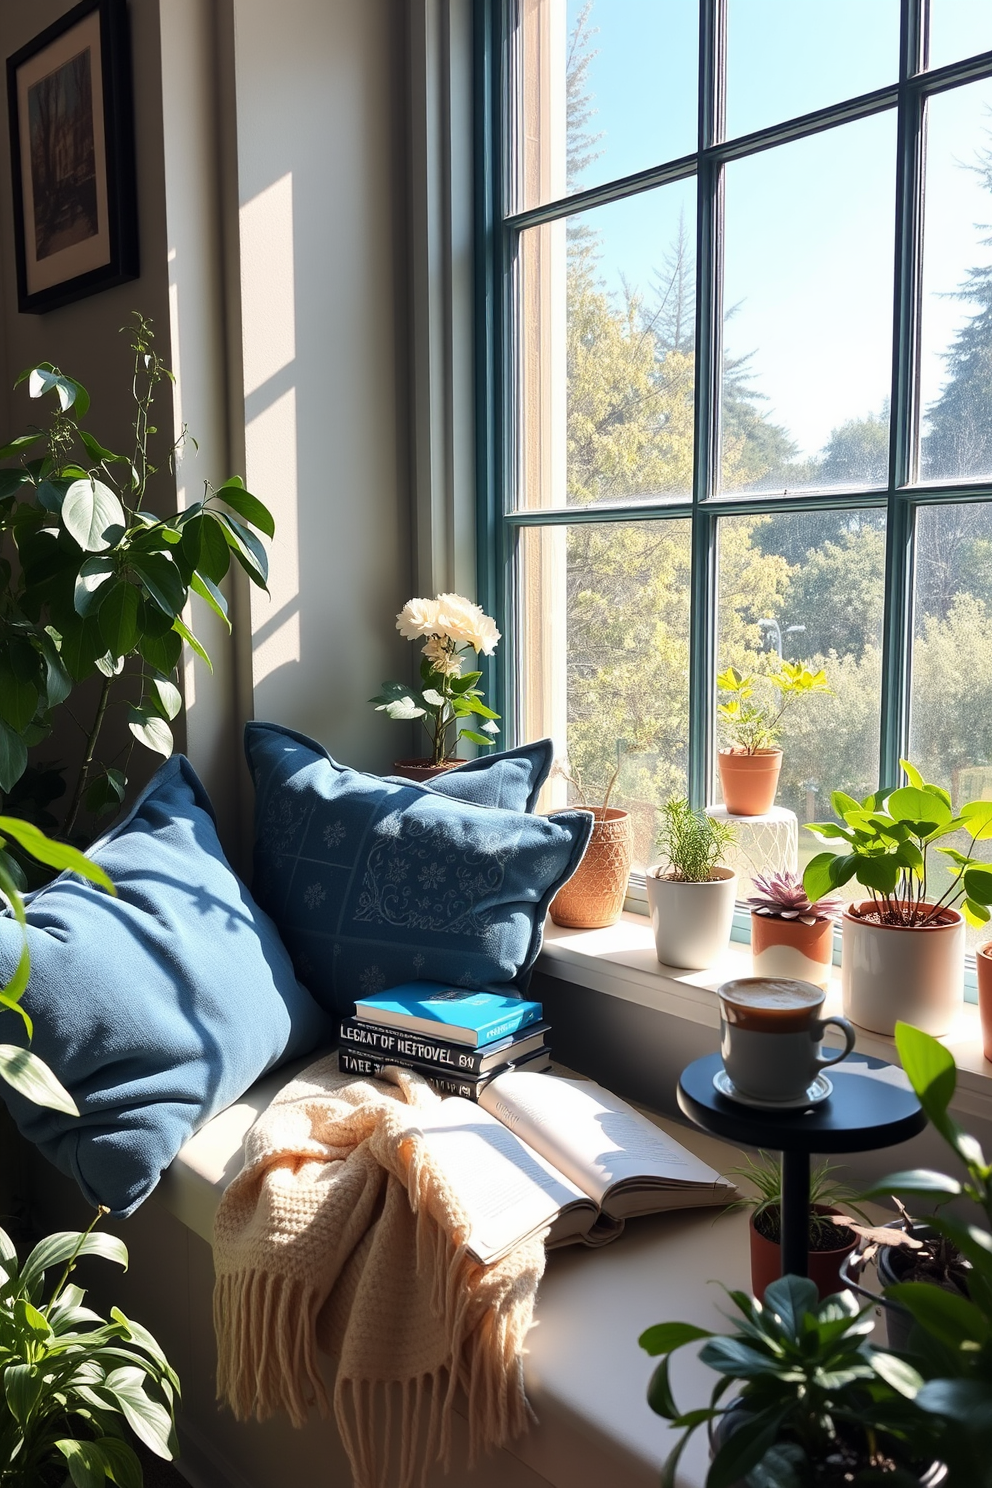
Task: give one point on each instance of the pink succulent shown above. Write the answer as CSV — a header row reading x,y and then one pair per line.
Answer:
x,y
782,896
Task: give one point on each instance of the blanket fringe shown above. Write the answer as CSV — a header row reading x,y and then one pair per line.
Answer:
x,y
266,1347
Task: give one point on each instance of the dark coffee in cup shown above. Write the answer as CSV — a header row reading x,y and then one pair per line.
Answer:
x,y
771,1035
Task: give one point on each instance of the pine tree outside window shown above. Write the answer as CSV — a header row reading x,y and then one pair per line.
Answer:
x,y
739,379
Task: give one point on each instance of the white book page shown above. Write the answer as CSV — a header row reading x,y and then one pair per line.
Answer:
x,y
508,1190
593,1136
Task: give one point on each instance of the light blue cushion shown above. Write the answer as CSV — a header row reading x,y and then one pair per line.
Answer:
x,y
155,1009
373,882
511,779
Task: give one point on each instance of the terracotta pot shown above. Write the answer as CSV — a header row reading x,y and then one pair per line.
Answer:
x,y
824,1265
594,895
983,963
749,781
788,948
422,769
891,972
691,921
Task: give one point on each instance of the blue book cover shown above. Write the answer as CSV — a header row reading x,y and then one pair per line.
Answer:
x,y
466,1017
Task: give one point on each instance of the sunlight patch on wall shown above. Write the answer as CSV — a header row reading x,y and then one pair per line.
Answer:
x,y
270,442
267,283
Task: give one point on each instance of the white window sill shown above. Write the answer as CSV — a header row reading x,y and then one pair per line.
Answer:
x,y
620,961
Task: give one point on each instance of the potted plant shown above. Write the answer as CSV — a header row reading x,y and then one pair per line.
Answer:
x,y
983,965
829,1243
594,895
691,897
817,1406
750,764
903,948
449,626
792,936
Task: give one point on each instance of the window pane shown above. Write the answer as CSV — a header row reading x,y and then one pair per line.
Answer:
x,y
808,312
785,59
958,28
606,322
951,732
812,585
956,359
604,662
606,88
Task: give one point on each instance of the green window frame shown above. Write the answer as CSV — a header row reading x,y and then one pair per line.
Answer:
x,y
499,231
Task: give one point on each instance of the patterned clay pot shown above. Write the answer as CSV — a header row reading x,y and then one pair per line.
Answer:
x,y
788,948
594,895
749,781
983,963
422,770
892,972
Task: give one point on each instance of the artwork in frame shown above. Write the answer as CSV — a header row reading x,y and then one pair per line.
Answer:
x,y
72,157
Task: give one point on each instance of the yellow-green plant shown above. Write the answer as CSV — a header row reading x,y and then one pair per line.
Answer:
x,y
752,715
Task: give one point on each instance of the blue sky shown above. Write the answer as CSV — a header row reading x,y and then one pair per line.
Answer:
x,y
809,246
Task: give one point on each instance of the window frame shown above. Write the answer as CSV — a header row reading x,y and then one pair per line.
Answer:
x,y
498,233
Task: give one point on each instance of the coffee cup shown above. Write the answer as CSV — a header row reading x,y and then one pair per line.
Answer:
x,y
771,1036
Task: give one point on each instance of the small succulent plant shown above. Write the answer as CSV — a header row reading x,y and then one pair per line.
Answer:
x,y
782,895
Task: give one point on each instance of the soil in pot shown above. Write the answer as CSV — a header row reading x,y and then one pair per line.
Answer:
x,y
983,962
948,1270
829,1245
420,770
749,781
595,894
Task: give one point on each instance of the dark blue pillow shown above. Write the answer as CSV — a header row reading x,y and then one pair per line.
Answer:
x,y
512,779
155,1009
373,882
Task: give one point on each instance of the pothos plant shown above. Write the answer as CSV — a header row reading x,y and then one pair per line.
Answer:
x,y
99,581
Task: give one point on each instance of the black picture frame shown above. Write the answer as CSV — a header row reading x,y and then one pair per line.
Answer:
x,y
70,104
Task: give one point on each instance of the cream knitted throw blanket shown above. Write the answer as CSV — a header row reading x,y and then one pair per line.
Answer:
x,y
341,1236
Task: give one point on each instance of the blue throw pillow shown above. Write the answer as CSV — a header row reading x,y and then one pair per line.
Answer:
x,y
512,779
155,1009
373,882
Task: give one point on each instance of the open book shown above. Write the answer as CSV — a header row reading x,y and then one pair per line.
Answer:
x,y
543,1153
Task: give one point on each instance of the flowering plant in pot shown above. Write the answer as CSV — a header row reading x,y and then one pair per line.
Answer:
x,y
750,764
691,896
903,947
792,935
829,1242
594,895
450,627
817,1406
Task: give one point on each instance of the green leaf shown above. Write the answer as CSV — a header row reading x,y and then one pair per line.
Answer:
x,y
191,641
13,757
881,874
209,592
964,1401
57,1248
660,1397
86,1464
664,1337
31,1077
930,1069
122,1464
945,1315
821,875
917,1182
82,643
214,557
149,1421
248,506
247,549
744,1448
896,1372
18,699
18,445
167,698
163,581
55,854
11,481
92,514
476,738
109,664
977,816
151,730
119,617
106,793
912,774
22,1385
88,593
978,884
98,453
161,651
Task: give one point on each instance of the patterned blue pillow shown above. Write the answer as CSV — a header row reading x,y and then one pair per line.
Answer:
x,y
372,882
512,779
157,1008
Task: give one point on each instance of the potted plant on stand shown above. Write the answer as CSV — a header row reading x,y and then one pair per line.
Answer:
x,y
449,626
750,764
691,896
903,948
594,895
791,936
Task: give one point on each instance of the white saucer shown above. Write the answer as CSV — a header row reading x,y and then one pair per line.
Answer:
x,y
819,1091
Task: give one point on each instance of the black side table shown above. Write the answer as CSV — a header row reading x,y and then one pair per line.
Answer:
x,y
871,1106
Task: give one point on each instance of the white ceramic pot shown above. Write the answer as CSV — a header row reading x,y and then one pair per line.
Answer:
x,y
890,973
691,921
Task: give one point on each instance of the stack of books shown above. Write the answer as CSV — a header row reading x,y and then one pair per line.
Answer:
x,y
457,1039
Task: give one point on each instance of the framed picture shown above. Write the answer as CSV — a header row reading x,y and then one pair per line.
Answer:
x,y
72,155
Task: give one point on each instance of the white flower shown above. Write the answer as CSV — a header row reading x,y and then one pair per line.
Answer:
x,y
418,617
441,655
466,623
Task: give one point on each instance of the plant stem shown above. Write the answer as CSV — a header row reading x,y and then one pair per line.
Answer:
x,y
77,796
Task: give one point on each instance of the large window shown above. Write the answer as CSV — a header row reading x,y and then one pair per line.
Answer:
x,y
740,382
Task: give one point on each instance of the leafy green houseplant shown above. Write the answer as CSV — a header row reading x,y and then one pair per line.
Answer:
x,y
98,585
817,1407
691,896
449,626
910,937
751,717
